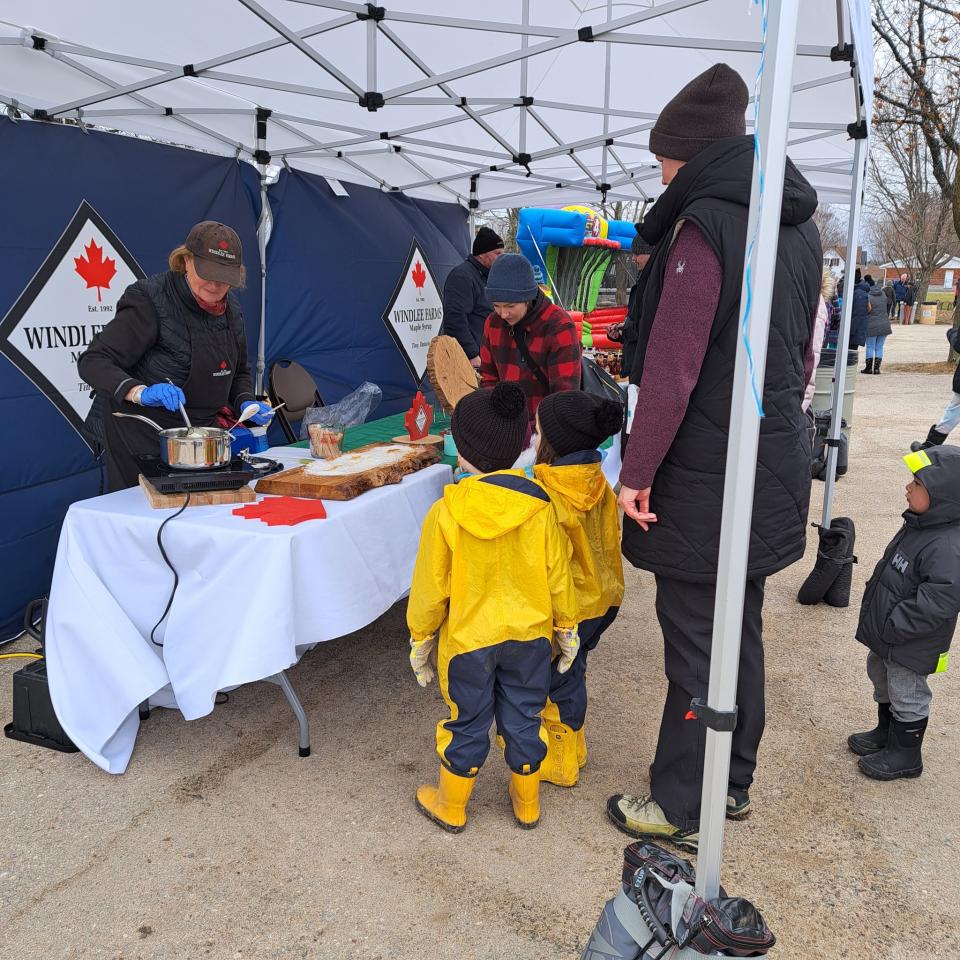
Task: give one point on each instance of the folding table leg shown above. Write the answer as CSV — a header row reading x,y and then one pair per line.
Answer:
x,y
145,710
283,682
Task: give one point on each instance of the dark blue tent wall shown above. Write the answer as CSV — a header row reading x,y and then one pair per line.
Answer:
x,y
332,265
150,195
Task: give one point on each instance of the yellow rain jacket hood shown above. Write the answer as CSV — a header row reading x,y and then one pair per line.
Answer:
x,y
492,566
587,510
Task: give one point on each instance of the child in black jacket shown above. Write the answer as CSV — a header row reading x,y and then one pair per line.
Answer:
x,y
909,614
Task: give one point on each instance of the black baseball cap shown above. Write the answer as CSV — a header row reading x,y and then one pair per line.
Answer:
x,y
217,252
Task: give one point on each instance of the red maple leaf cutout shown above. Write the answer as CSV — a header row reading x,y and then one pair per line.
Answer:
x,y
94,269
419,275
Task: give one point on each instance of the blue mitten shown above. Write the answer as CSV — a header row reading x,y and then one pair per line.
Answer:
x,y
163,395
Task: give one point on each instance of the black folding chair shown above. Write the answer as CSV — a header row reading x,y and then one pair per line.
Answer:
x,y
290,384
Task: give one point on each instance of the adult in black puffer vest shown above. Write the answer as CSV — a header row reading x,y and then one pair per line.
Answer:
x,y
177,338
673,474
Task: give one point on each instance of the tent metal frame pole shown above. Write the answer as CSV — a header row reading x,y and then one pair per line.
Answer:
x,y
741,465
524,79
608,53
843,334
264,226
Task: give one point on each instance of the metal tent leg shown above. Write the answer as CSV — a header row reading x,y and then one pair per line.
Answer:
x,y
283,682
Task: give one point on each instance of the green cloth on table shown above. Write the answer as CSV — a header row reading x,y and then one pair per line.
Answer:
x,y
378,431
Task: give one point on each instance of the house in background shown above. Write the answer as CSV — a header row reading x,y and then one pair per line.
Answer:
x,y
835,259
943,280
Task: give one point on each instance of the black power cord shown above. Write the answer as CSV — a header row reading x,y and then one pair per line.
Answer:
x,y
166,560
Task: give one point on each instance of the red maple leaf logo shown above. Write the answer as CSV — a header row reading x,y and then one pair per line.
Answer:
x,y
94,269
223,245
223,364
419,275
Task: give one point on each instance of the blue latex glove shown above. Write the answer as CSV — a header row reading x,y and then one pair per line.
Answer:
x,y
263,415
163,395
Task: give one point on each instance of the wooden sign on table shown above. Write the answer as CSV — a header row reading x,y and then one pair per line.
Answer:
x,y
451,374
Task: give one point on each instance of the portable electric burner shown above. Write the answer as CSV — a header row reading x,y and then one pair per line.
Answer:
x,y
238,473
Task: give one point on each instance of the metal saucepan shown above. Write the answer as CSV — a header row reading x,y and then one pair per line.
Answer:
x,y
196,448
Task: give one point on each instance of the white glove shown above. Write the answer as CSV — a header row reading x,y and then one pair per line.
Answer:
x,y
420,653
568,640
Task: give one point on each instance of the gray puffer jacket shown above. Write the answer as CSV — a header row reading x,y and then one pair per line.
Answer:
x,y
912,601
878,323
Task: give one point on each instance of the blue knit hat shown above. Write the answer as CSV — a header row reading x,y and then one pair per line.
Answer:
x,y
511,280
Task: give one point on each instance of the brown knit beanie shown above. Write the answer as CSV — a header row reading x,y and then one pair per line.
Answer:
x,y
710,107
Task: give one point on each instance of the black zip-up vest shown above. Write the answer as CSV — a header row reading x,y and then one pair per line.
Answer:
x,y
713,191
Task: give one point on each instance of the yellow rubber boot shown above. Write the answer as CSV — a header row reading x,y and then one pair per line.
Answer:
x,y
581,749
446,805
560,764
525,797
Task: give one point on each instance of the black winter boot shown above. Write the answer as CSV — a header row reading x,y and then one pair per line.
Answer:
x,y
934,439
831,559
872,741
876,364
838,595
869,366
901,756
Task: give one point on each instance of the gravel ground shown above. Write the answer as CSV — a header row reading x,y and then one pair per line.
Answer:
x,y
219,842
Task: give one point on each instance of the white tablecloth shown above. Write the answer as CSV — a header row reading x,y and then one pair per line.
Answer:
x,y
301,585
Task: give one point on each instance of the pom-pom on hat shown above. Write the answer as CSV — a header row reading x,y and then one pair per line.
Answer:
x,y
573,420
490,426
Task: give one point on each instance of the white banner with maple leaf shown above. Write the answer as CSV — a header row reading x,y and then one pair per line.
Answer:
x,y
68,301
415,312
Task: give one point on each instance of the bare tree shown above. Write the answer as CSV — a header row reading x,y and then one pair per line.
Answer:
x,y
918,84
832,227
911,219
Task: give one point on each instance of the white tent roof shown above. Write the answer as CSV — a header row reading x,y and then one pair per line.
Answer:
x,y
452,86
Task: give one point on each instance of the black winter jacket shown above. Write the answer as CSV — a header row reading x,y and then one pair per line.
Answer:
x,y
465,306
713,191
911,603
859,317
954,337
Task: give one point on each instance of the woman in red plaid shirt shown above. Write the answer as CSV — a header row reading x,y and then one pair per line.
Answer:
x,y
527,340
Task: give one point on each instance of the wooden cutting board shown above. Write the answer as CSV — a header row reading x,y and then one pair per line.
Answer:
x,y
345,485
450,373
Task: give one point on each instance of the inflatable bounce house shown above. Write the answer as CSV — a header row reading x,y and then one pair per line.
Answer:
x,y
571,251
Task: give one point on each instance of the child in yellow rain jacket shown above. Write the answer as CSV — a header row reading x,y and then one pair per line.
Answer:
x,y
570,426
491,587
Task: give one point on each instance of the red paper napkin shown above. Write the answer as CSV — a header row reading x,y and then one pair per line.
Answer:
x,y
282,511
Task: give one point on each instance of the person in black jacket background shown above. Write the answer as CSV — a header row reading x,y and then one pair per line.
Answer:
x,y
909,614
177,338
465,306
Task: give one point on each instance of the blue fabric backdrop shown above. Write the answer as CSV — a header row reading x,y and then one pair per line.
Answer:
x,y
150,195
332,265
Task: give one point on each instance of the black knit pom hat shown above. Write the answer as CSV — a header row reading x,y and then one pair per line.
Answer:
x,y
710,107
573,420
490,427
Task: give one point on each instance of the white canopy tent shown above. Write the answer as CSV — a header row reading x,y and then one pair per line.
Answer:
x,y
542,102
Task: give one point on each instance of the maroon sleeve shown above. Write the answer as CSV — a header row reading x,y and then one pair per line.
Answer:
x,y
675,351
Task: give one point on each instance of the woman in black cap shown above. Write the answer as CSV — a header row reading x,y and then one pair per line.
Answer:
x,y
177,338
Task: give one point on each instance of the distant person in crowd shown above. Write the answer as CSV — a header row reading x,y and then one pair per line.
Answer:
x,y
820,326
177,338
492,587
571,425
891,298
527,340
859,311
627,331
909,615
465,306
878,328
674,463
939,432
900,294
909,298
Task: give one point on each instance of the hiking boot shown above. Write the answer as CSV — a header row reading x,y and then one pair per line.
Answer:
x,y
869,366
901,757
872,741
838,594
934,439
641,817
738,803
446,805
836,548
